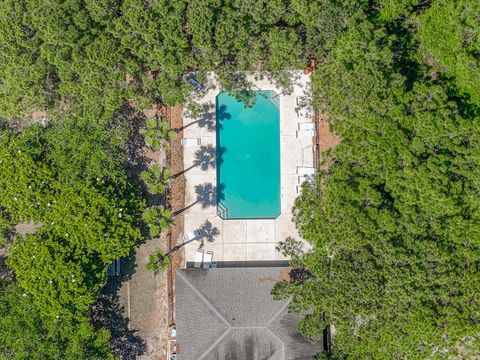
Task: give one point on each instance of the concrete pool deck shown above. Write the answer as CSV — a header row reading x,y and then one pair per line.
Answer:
x,y
237,242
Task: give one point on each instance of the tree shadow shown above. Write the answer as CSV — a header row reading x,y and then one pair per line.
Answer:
x,y
136,161
222,113
221,192
220,150
133,122
467,108
4,269
108,312
205,158
209,231
206,120
405,47
206,196
285,80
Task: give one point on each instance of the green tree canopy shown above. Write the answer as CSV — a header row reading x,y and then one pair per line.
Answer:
x,y
86,223
393,216
25,333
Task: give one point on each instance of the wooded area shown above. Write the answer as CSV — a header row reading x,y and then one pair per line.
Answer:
x,y
394,219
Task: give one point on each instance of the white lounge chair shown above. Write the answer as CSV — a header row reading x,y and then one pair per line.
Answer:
x,y
305,113
195,234
306,126
302,134
207,259
198,258
301,180
303,100
191,141
305,170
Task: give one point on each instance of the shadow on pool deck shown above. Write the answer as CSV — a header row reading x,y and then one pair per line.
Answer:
x,y
206,121
206,196
209,231
206,157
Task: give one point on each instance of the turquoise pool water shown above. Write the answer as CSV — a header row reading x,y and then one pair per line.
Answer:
x,y
248,157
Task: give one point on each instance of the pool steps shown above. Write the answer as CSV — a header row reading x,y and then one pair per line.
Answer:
x,y
222,210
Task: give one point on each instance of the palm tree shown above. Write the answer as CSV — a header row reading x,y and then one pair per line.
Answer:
x,y
158,133
156,179
157,219
159,261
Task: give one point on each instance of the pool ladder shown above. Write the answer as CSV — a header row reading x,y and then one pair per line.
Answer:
x,y
222,210
275,99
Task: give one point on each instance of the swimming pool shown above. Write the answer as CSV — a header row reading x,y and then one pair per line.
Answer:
x,y
248,157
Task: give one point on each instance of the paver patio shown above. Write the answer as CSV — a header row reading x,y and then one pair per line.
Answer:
x,y
241,241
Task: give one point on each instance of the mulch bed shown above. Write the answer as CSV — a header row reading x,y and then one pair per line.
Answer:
x,y
177,202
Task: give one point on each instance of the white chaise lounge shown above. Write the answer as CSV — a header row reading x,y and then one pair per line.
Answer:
x,y
306,113
306,126
191,141
195,234
308,133
207,259
304,174
198,258
303,100
305,170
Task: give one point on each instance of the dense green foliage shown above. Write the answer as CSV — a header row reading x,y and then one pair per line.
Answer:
x,y
158,133
27,334
88,64
87,216
102,53
394,217
450,42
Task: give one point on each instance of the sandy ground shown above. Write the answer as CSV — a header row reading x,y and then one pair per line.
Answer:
x,y
144,300
26,228
328,140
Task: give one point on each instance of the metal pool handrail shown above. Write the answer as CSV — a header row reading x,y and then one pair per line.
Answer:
x,y
275,99
222,210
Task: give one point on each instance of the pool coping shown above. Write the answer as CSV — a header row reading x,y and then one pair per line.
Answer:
x,y
246,242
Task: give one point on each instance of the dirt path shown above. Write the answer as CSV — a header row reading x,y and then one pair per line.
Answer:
x,y
177,201
144,299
